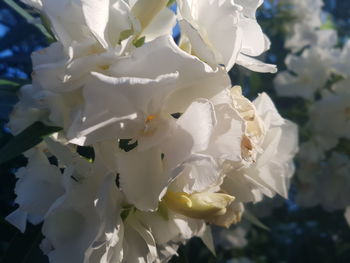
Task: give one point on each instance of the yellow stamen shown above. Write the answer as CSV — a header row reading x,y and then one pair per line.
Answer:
x,y
150,118
104,67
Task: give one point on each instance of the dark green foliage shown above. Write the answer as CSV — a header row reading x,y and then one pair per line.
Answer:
x,y
25,140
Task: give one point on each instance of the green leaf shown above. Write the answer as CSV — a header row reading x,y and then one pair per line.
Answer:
x,y
29,18
329,24
8,87
25,140
139,42
47,25
254,220
126,212
5,82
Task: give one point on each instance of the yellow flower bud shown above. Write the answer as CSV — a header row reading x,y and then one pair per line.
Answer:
x,y
202,205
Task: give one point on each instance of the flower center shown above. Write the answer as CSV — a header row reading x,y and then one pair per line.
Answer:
x,y
150,125
150,118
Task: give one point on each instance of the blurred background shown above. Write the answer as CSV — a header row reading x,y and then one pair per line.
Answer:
x,y
283,231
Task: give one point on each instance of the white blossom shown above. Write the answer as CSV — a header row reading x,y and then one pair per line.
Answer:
x,y
239,37
306,74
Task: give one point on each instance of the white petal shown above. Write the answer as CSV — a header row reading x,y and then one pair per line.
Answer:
x,y
199,120
146,10
255,65
18,218
201,49
119,21
347,214
249,6
243,187
141,177
119,107
192,131
66,19
196,79
146,235
227,137
96,14
253,42
135,248
189,227
162,24
163,230
199,173
207,239
267,110
73,223
110,237
40,179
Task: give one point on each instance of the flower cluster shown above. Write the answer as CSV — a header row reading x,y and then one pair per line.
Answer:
x,y
173,147
318,71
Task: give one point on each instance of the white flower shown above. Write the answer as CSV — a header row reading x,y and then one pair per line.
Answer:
x,y
37,180
341,62
26,111
201,151
143,86
333,110
238,130
226,141
239,36
234,237
306,35
84,222
273,167
335,182
36,104
107,21
307,11
157,172
311,70
90,40
325,185
155,236
60,71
